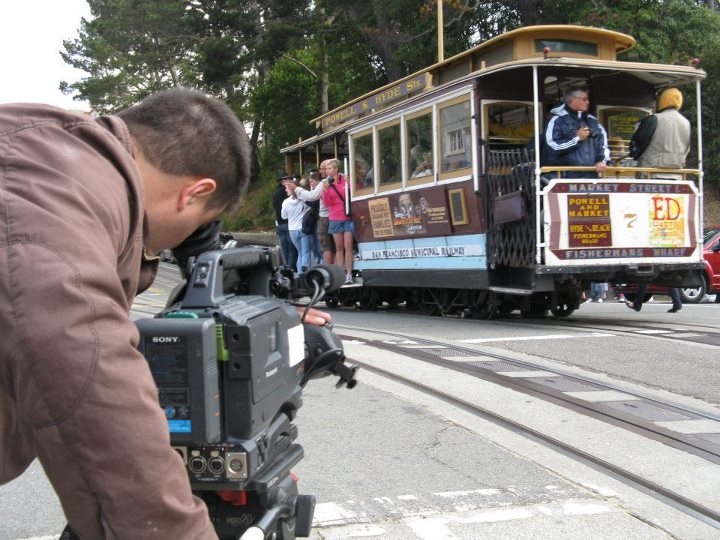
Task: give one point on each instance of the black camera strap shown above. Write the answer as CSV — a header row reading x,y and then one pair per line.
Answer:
x,y
338,192
341,198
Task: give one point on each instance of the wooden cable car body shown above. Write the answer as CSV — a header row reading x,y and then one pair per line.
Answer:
x,y
454,214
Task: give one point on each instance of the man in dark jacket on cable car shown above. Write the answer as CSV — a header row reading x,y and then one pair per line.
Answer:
x,y
575,138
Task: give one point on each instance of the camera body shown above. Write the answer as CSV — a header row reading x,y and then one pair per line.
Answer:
x,y
230,357
229,383
330,179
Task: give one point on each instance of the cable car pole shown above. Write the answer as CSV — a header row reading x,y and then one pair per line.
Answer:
x,y
441,32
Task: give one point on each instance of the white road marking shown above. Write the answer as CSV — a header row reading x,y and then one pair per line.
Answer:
x,y
530,338
465,493
332,513
601,490
436,528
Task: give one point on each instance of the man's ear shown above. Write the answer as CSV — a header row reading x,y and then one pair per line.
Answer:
x,y
198,189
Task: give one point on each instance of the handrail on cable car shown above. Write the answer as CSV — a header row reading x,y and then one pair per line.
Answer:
x,y
618,171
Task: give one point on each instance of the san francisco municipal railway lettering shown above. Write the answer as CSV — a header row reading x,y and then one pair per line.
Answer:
x,y
429,251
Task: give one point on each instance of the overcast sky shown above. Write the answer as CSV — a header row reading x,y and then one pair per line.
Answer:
x,y
31,36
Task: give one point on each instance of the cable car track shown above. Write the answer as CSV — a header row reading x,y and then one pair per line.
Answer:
x,y
697,333
624,325
445,356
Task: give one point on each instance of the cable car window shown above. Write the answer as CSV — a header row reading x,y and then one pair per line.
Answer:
x,y
455,137
509,124
566,46
362,172
420,145
390,155
620,122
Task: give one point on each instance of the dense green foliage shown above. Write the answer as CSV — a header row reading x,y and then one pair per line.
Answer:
x,y
281,63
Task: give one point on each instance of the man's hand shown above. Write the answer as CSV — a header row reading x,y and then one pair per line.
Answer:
x,y
315,316
583,133
600,166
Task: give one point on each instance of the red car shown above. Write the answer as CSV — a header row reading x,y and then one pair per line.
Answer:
x,y
711,276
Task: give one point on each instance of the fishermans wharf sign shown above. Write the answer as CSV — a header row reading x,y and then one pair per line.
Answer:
x,y
377,100
626,219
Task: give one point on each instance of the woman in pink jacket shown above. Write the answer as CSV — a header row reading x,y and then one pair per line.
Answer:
x,y
337,198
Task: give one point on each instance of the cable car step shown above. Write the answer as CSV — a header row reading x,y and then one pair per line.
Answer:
x,y
511,290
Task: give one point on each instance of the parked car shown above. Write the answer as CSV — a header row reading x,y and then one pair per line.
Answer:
x,y
690,295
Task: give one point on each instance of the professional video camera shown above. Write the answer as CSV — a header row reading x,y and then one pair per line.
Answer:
x,y
230,356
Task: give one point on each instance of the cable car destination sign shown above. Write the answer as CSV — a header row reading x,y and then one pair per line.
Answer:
x,y
621,219
375,101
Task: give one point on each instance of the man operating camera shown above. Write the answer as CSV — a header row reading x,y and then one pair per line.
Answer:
x,y
86,206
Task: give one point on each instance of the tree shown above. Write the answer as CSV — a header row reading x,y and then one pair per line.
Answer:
x,y
280,63
130,49
401,36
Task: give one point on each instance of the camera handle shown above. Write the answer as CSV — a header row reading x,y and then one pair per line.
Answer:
x,y
301,507
325,357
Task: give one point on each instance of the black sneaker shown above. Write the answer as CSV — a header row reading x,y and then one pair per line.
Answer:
x,y
674,309
631,305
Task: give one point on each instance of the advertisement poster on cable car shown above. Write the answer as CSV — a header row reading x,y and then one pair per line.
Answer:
x,y
404,215
590,221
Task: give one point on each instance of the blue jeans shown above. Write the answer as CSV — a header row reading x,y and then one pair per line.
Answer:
x,y
303,244
290,254
597,291
315,250
675,297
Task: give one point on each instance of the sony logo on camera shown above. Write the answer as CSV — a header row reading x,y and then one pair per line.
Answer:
x,y
165,339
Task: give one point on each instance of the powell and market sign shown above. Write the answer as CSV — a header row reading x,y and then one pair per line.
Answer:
x,y
378,99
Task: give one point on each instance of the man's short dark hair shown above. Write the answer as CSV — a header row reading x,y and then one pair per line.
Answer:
x,y
185,132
